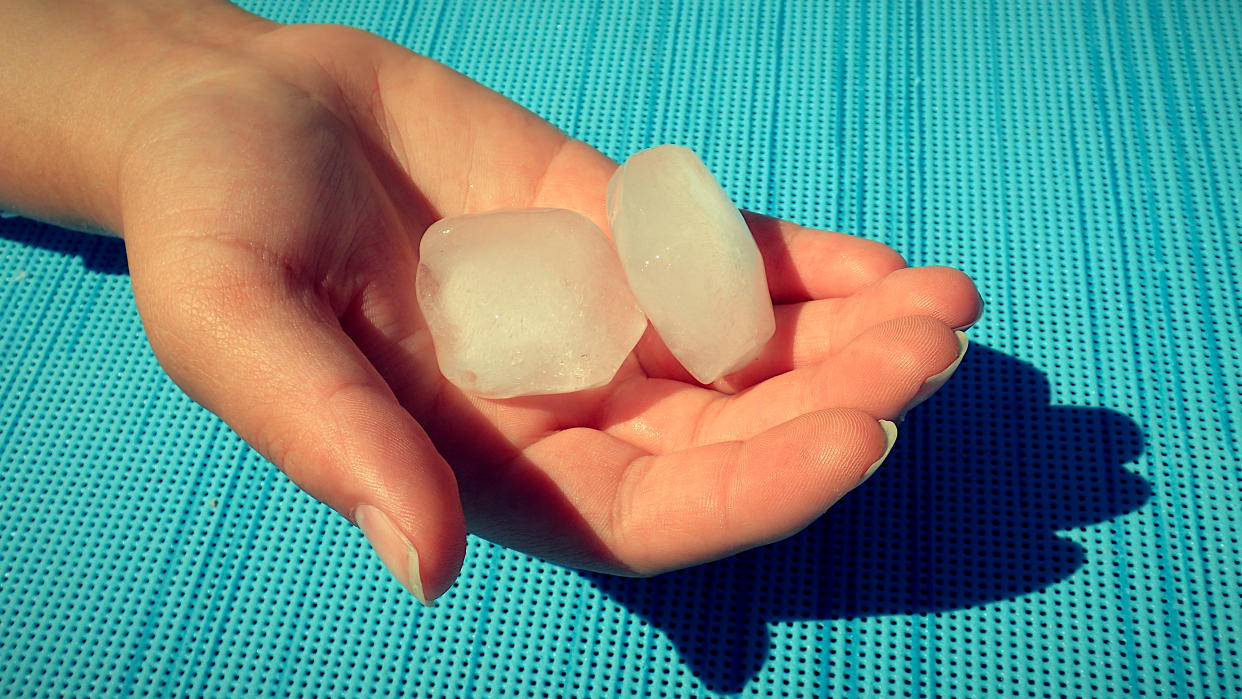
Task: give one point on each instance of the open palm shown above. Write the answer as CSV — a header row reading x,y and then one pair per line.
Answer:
x,y
272,211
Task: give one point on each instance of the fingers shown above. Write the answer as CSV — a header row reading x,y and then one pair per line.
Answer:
x,y
809,333
882,373
711,501
586,499
276,366
804,264
885,372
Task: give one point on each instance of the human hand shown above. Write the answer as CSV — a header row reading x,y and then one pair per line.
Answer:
x,y
272,207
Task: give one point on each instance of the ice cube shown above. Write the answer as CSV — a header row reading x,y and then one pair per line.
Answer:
x,y
691,261
525,302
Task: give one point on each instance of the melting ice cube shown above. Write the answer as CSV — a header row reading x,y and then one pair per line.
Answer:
x,y
525,302
691,261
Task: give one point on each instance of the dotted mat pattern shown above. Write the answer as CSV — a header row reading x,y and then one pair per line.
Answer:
x,y
1061,520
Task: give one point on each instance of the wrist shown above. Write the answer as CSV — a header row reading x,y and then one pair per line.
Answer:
x,y
82,76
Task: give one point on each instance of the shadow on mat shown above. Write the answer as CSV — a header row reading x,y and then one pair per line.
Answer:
x,y
99,253
965,512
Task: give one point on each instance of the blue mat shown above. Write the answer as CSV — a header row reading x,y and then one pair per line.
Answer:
x,y
1062,520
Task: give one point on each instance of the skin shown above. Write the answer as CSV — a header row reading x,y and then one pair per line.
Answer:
x,y
272,183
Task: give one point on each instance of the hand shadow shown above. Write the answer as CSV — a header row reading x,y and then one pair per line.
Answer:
x,y
965,512
99,253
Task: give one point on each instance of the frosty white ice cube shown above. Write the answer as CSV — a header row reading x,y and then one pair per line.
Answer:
x,y
690,260
525,302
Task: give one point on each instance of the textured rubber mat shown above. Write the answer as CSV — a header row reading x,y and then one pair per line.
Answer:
x,y
1062,520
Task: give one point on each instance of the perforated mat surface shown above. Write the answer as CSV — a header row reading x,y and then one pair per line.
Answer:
x,y
1061,520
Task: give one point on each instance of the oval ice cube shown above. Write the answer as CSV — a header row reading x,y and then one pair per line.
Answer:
x,y
690,260
525,302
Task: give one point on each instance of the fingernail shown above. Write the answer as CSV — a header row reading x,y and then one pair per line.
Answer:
x,y
397,553
978,315
890,438
936,382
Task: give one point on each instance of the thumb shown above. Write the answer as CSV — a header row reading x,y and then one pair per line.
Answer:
x,y
274,363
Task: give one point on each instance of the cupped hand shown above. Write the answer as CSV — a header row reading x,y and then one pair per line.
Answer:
x,y
272,207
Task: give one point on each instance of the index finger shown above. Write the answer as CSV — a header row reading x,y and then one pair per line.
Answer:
x,y
805,264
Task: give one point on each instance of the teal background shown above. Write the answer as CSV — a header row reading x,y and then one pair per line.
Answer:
x,y
1061,520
